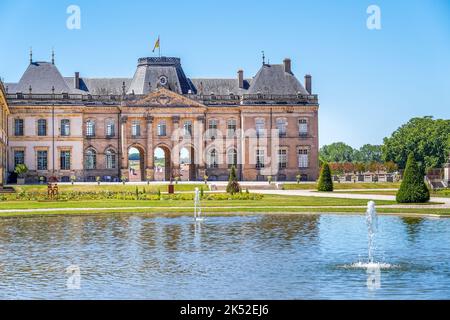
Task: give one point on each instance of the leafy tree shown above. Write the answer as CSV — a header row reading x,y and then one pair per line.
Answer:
x,y
233,184
429,139
337,152
325,181
413,188
368,153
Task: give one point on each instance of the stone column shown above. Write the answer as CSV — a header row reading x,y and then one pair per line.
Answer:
x,y
447,173
124,147
199,143
175,153
150,170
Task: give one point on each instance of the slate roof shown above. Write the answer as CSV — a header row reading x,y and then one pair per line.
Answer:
x,y
42,77
270,79
150,70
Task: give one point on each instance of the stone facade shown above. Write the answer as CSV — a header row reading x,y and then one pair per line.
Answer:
x,y
4,112
272,133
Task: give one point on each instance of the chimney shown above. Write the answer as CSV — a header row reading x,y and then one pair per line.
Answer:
x,y
287,65
77,80
241,79
308,83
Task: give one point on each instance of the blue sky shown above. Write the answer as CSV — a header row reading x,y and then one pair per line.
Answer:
x,y
369,81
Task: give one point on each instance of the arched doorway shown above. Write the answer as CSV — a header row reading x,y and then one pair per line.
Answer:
x,y
136,166
162,163
187,164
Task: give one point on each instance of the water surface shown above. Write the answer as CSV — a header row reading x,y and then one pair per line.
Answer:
x,y
232,257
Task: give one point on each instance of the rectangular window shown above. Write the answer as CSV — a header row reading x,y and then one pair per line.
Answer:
x,y
187,128
65,127
110,160
19,157
110,129
65,160
231,128
303,158
162,129
136,128
259,158
90,129
303,127
281,127
42,160
282,159
42,127
18,127
212,129
260,127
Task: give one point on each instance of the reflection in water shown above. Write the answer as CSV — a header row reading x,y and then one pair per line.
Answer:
x,y
247,257
413,226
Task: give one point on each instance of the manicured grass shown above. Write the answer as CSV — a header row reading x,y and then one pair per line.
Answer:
x,y
343,186
113,187
268,200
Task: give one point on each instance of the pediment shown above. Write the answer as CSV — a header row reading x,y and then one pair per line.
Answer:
x,y
164,98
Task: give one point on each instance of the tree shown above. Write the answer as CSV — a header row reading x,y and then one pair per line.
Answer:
x,y
368,153
233,184
325,181
429,139
413,188
337,152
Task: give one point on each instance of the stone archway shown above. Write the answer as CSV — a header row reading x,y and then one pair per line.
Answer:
x,y
136,163
162,163
187,163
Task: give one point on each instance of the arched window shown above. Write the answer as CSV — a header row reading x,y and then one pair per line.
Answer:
x,y
90,159
213,159
90,128
110,128
232,158
110,159
42,127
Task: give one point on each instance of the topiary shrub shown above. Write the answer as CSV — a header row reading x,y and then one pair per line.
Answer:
x,y
233,184
413,188
325,181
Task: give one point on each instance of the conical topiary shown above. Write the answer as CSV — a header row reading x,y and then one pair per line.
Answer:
x,y
233,184
325,181
413,188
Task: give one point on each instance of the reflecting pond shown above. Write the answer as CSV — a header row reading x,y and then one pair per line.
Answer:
x,y
230,257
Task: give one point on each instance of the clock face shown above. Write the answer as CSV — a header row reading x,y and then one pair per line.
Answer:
x,y
163,80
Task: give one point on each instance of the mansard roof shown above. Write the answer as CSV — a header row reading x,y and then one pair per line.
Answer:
x,y
154,73
273,79
41,77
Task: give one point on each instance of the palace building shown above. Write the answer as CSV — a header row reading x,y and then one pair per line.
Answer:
x,y
162,125
4,112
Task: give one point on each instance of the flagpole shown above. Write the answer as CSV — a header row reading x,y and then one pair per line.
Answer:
x,y
159,47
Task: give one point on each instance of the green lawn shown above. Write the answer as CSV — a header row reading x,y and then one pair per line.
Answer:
x,y
343,186
267,201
